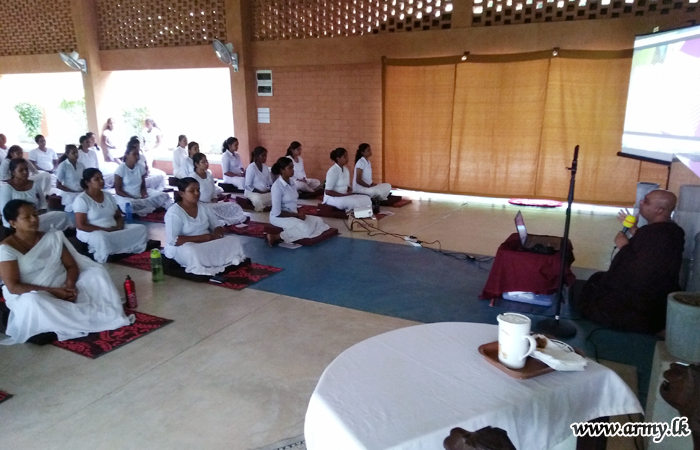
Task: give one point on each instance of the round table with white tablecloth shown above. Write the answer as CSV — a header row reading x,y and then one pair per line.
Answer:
x,y
406,389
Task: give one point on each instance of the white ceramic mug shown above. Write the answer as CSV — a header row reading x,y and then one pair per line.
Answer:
x,y
514,340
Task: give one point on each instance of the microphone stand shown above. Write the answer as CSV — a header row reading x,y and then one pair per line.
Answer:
x,y
554,326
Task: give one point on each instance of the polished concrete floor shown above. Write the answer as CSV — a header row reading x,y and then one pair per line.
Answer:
x,y
236,368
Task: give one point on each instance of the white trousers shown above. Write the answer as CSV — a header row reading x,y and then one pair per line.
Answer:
x,y
56,220
239,182
207,258
349,202
295,229
143,206
260,201
381,190
132,239
311,185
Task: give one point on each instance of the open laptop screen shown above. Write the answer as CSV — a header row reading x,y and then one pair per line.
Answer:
x,y
520,226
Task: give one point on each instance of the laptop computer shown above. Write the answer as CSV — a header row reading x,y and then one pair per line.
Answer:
x,y
536,243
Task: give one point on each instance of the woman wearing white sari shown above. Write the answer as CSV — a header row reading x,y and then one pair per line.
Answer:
x,y
100,223
43,179
231,164
284,214
229,213
258,181
49,287
20,187
68,176
194,238
130,186
301,182
362,182
338,192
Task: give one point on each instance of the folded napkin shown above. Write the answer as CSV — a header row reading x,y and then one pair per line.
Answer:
x,y
558,355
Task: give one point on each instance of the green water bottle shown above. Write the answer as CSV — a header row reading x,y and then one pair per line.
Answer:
x,y
156,265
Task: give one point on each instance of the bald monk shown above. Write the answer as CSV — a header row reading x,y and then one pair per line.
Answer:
x,y
632,294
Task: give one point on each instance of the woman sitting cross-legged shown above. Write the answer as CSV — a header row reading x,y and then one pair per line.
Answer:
x,y
43,179
231,164
184,167
20,187
130,185
362,183
258,181
49,287
100,223
284,214
301,182
68,176
155,178
228,213
193,236
338,192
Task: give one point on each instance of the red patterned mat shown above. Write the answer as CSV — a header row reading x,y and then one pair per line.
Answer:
x,y
254,229
314,211
4,396
541,203
239,278
157,216
97,344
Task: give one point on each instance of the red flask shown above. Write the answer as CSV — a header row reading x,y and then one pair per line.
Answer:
x,y
130,292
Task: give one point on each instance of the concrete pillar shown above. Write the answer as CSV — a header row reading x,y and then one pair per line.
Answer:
x,y
239,30
94,82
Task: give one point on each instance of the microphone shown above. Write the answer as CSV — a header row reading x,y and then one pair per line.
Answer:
x,y
628,223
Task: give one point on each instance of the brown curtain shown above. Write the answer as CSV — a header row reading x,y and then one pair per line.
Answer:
x,y
585,106
497,124
418,125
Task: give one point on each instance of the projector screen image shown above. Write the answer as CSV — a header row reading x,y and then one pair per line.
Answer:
x,y
663,104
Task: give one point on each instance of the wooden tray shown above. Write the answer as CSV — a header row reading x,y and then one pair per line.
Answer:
x,y
533,367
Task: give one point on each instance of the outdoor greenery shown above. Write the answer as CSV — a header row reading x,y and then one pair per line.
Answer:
x,y
76,110
133,119
30,115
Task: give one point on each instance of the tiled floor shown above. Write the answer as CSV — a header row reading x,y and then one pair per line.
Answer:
x,y
236,368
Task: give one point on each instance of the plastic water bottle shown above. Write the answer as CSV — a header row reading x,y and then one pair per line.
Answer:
x,y
130,292
156,265
129,213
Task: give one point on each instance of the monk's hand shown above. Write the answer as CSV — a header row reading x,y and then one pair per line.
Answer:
x,y
623,213
621,240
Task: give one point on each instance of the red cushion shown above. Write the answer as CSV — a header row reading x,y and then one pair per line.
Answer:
x,y
330,211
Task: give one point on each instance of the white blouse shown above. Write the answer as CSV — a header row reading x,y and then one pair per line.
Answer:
x,y
33,196
256,179
98,214
70,176
338,179
207,187
231,162
89,159
43,159
179,223
284,197
5,169
180,157
131,178
150,137
366,167
299,172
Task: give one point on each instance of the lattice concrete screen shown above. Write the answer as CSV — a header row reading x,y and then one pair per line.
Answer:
x,y
507,12
30,27
157,23
298,19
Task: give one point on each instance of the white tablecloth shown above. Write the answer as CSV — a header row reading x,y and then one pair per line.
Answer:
x,y
408,388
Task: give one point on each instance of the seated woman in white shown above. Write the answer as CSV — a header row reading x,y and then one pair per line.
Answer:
x,y
180,156
68,176
43,158
130,186
362,183
101,225
155,178
258,181
20,187
301,182
106,167
186,168
338,192
49,287
231,164
194,238
228,213
284,214
43,179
